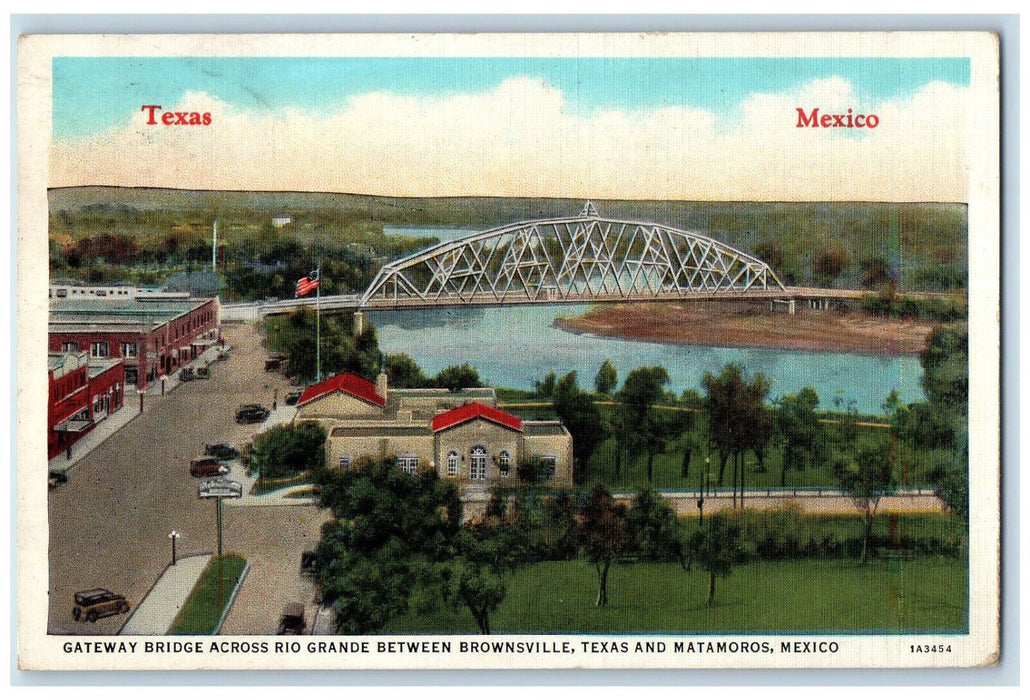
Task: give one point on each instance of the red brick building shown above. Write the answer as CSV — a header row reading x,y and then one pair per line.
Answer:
x,y
153,337
82,394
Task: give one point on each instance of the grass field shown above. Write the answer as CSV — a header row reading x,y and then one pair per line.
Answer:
x,y
924,594
203,609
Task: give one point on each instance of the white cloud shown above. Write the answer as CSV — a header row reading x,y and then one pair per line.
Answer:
x,y
521,138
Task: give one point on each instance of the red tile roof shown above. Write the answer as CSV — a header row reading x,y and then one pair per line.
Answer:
x,y
350,384
471,411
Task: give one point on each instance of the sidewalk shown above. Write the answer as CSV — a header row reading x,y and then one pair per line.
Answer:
x,y
126,414
156,613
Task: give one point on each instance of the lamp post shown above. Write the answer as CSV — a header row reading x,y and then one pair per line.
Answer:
x,y
173,536
142,393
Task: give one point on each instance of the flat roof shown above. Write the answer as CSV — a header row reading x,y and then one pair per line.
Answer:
x,y
100,315
98,367
382,431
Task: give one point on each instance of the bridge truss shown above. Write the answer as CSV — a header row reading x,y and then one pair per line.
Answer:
x,y
582,258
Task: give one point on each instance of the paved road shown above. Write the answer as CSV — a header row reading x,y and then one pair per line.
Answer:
x,y
109,524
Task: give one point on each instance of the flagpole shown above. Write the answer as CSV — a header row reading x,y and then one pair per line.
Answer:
x,y
318,324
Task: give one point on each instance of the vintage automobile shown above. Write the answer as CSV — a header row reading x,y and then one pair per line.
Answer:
x,y
293,397
251,413
97,603
187,374
203,372
275,362
207,466
222,450
55,478
292,621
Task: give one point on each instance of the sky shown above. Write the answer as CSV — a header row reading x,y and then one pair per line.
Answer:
x,y
646,128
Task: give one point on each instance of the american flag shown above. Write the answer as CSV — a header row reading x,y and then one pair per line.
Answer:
x,y
305,285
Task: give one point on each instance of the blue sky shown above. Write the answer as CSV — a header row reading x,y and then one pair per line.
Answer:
x,y
94,94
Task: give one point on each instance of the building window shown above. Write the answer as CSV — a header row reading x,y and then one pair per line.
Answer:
x,y
69,347
99,349
345,461
129,350
477,469
548,463
408,464
504,462
453,463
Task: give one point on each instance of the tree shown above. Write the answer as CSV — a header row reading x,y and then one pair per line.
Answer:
x,y
717,548
692,401
546,387
654,529
458,377
390,535
580,415
646,430
607,378
474,580
875,271
867,478
403,372
603,535
285,450
828,265
800,429
738,417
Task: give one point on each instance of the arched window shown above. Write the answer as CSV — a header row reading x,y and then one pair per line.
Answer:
x,y
477,469
453,463
504,462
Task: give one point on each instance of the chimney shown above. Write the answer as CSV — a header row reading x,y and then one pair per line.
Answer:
x,y
381,386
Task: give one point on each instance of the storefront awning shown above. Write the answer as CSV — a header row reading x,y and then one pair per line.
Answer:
x,y
73,425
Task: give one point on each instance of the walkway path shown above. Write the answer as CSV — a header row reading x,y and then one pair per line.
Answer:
x,y
156,613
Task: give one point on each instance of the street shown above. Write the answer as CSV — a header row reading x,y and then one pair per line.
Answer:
x,y
109,524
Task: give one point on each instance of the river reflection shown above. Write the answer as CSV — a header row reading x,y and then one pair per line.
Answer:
x,y
514,346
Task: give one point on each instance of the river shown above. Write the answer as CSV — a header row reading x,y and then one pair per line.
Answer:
x,y
515,346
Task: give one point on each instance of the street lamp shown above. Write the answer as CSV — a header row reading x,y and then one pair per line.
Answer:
x,y
142,393
173,536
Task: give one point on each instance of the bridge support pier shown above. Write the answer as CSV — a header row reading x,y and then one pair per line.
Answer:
x,y
787,305
359,323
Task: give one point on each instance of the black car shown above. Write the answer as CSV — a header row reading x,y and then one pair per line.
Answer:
x,y
98,602
55,478
293,397
222,450
251,413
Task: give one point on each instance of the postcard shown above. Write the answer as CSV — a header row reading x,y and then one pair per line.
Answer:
x,y
533,351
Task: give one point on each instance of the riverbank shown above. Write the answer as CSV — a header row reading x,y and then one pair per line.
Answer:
x,y
752,324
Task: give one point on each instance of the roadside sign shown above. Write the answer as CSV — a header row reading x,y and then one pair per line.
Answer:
x,y
220,487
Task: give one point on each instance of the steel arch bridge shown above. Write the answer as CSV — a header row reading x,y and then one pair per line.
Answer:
x,y
582,258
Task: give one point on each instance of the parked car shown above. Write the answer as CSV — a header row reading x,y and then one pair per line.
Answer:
x,y
187,374
309,563
98,602
54,478
251,413
203,372
275,362
207,466
222,450
293,397
292,621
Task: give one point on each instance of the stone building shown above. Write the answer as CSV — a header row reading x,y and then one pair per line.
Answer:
x,y
461,435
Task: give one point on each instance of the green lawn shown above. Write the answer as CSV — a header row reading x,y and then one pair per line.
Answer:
x,y
203,608
924,594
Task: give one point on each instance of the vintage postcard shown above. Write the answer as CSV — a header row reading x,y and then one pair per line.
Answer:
x,y
508,351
